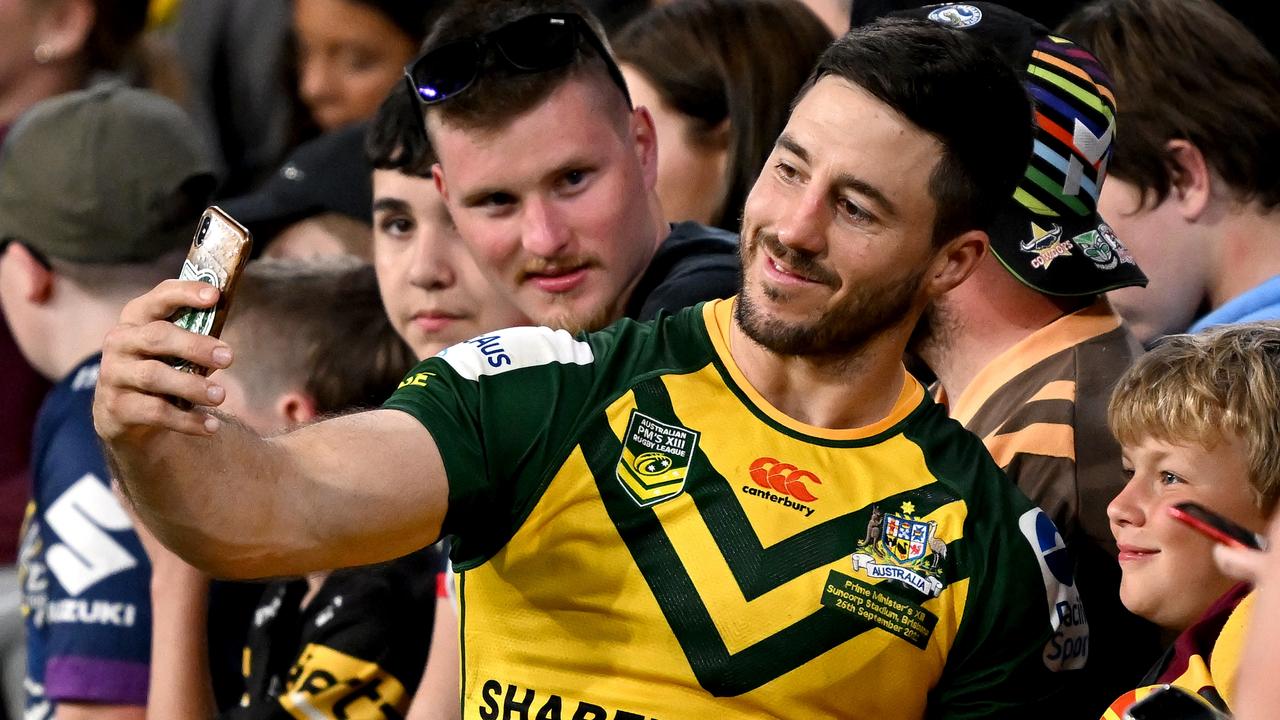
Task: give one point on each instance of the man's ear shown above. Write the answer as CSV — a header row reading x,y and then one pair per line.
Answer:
x,y
955,262
37,281
645,137
1191,180
437,174
63,27
295,408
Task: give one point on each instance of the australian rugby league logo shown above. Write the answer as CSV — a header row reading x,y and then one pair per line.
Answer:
x,y
901,547
655,459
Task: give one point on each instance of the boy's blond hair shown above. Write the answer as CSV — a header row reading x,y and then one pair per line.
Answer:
x,y
1205,388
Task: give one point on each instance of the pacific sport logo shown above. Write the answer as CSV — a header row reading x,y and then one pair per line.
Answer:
x,y
1068,649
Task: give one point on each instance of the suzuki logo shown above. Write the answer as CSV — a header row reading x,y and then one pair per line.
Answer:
x,y
783,478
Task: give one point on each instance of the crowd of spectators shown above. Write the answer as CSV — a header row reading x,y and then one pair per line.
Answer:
x,y
773,358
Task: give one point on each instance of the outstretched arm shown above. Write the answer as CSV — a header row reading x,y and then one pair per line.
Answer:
x,y
353,490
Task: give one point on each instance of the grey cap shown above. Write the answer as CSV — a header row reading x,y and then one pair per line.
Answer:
x,y
110,174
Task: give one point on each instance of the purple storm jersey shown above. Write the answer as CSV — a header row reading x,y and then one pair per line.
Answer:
x,y
85,578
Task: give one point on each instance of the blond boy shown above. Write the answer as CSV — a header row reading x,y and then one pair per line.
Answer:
x,y
1197,421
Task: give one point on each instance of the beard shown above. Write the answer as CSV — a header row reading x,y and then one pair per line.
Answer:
x,y
560,316
931,339
566,311
842,331
934,331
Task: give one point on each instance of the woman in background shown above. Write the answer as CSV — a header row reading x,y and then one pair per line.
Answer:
x,y
351,52
719,77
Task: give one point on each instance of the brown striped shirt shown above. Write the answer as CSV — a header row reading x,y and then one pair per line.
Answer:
x,y
1040,408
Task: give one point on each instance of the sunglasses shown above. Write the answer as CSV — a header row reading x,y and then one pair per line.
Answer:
x,y
532,44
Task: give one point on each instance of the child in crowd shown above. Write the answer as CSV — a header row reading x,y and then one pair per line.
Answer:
x,y
313,340
1197,420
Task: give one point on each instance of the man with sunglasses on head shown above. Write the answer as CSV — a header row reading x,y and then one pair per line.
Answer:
x,y
744,509
549,171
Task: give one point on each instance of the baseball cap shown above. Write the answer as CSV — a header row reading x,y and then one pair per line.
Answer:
x,y
110,174
327,174
1049,234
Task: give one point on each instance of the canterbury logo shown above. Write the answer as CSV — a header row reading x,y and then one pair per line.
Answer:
x,y
783,478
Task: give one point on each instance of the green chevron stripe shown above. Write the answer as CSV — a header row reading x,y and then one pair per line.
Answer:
x,y
755,568
1050,186
718,671
758,569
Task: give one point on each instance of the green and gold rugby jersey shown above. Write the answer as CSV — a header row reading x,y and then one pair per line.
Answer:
x,y
640,535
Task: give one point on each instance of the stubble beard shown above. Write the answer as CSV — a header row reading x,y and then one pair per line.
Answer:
x,y
559,314
934,333
841,332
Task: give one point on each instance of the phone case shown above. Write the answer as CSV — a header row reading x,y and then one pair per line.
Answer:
x,y
1170,702
218,253
1216,527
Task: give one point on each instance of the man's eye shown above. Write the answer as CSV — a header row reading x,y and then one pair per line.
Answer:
x,y
785,170
396,226
575,177
1127,472
852,210
1168,478
497,200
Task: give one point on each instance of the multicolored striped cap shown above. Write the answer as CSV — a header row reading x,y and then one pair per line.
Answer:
x,y
1049,235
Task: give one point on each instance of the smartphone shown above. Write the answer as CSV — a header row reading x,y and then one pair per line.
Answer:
x,y
218,253
1217,527
1169,702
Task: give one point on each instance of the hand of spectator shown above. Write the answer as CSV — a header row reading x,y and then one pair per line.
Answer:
x,y
136,384
1240,563
1244,564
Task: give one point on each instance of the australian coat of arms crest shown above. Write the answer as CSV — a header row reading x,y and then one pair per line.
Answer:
x,y
900,547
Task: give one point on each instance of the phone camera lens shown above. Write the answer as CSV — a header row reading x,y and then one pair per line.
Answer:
x,y
204,230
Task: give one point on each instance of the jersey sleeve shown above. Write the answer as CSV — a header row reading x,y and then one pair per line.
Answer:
x,y
1024,636
1023,633
363,644
503,409
97,611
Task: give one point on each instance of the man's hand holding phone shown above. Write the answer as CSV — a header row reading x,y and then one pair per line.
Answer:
x,y
137,382
154,362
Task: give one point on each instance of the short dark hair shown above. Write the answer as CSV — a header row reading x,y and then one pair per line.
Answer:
x,y
1187,70
396,139
317,324
500,94
703,57
956,88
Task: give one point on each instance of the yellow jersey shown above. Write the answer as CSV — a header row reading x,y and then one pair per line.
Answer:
x,y
639,534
